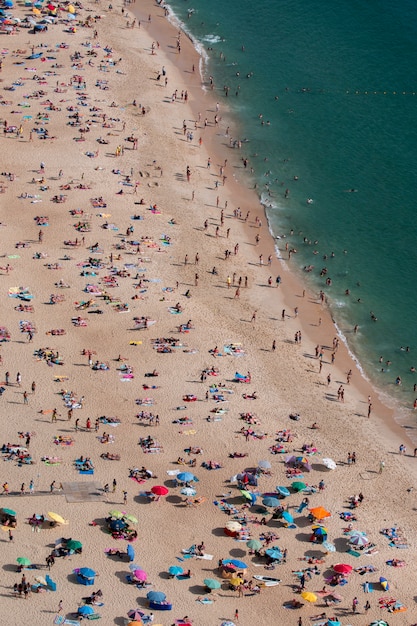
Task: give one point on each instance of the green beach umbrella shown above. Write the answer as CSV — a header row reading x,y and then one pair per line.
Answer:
x,y
22,560
254,544
73,544
116,514
9,512
298,485
131,518
211,583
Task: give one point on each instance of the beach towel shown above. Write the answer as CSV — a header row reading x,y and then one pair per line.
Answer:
x,y
90,471
353,553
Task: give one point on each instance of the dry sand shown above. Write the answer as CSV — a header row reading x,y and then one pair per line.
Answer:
x,y
286,381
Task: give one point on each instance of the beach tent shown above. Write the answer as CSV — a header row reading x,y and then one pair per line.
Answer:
x,y
85,575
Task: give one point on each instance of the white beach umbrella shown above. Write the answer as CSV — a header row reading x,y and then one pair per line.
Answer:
x,y
329,463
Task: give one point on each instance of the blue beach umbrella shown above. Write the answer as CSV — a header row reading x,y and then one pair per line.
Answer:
x,y
185,477
283,491
274,553
156,596
87,572
130,552
270,501
287,517
117,524
238,564
175,570
85,610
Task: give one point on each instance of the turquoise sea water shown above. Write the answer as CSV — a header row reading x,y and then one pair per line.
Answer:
x,y
337,83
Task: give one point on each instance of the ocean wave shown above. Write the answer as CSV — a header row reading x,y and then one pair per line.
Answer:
x,y
212,39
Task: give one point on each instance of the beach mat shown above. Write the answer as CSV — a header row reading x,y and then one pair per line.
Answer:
x,y
353,553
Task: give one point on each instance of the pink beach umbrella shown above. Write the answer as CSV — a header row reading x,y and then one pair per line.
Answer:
x,y
140,574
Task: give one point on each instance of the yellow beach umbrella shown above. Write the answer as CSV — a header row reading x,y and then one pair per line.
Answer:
x,y
309,596
233,526
71,8
57,518
36,11
236,581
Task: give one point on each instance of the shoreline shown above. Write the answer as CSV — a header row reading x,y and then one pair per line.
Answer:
x,y
149,279
365,385
401,402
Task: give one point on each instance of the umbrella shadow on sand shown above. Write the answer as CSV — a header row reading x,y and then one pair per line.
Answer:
x,y
302,521
217,532
120,621
198,590
121,575
10,567
238,553
341,544
303,536
175,499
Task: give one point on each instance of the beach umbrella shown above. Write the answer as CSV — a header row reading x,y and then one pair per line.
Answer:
x,y
156,596
233,526
160,490
287,517
130,552
283,491
185,477
329,463
41,580
264,464
211,583
274,553
320,531
22,560
131,518
188,491
270,501
319,512
342,568
227,623
9,512
140,574
236,563
298,485
85,610
379,622
384,583
57,518
116,514
135,622
72,544
333,622
329,547
236,581
358,540
117,524
87,572
248,495
309,596
175,570
254,544
135,614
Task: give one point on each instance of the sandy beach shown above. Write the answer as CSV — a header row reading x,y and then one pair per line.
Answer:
x,y
138,279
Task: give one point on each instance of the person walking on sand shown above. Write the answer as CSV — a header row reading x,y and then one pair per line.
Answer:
x,y
125,497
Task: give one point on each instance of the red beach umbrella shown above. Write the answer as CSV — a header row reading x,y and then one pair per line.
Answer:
x,y
159,490
342,568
